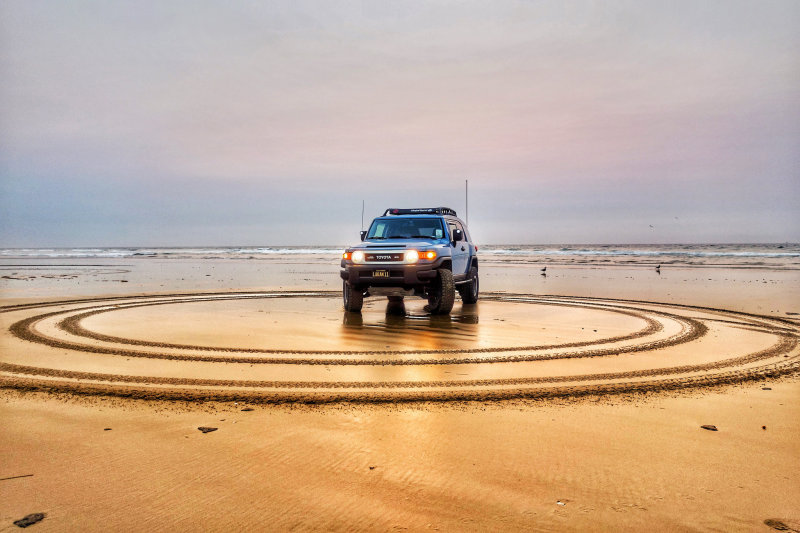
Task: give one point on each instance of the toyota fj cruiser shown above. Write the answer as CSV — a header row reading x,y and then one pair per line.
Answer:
x,y
412,252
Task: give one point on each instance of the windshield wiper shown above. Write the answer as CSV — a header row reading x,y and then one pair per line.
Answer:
x,y
420,237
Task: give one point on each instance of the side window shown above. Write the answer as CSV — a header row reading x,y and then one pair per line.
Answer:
x,y
457,225
452,227
464,231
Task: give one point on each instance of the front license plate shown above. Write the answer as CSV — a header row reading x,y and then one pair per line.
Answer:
x,y
381,274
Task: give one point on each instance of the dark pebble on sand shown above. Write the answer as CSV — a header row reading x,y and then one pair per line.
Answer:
x,y
766,388
106,429
372,468
248,409
763,427
709,427
29,520
204,429
777,524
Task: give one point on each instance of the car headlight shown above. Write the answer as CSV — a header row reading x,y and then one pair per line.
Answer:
x,y
412,256
358,256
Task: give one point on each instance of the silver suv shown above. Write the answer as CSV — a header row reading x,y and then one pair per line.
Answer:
x,y
424,252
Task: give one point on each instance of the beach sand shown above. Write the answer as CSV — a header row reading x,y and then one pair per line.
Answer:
x,y
567,402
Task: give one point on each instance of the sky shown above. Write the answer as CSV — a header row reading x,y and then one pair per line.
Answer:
x,y
191,123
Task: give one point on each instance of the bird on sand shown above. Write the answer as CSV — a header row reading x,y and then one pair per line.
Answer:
x,y
658,269
544,269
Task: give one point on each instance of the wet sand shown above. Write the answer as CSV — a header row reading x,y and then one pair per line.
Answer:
x,y
567,402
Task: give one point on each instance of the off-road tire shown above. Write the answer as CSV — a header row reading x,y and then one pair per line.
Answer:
x,y
442,293
353,299
395,299
469,291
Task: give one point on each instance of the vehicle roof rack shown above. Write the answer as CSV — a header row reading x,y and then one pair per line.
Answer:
x,y
421,211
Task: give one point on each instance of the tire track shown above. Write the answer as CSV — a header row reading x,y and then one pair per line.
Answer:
x,y
782,357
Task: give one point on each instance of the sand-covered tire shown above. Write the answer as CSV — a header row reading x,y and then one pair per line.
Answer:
x,y
442,294
396,299
469,291
353,299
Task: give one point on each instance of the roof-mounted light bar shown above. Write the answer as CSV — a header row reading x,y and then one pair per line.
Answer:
x,y
421,211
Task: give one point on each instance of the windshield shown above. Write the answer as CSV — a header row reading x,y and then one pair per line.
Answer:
x,y
406,228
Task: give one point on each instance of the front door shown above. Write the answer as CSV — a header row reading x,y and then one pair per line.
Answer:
x,y
460,249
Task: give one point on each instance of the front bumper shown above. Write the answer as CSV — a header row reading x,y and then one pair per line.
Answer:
x,y
400,274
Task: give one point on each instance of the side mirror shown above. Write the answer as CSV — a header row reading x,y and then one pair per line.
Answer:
x,y
363,235
458,235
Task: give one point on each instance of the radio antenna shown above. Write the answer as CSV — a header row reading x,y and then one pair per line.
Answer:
x,y
362,215
466,194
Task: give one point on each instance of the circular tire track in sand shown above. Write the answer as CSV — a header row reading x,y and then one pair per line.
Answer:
x,y
677,347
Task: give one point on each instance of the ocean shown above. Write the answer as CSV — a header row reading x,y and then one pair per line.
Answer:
x,y
786,255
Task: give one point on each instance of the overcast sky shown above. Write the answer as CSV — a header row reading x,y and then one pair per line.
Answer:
x,y
267,123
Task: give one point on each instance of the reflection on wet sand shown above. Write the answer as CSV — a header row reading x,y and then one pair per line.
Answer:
x,y
399,325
